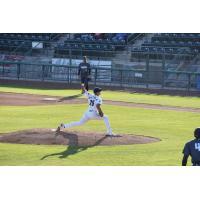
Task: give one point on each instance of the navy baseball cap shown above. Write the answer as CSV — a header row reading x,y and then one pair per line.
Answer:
x,y
97,89
197,133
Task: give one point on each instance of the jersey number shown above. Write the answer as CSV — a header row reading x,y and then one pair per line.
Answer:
x,y
91,102
197,146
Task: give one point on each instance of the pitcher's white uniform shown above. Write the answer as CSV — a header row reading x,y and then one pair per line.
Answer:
x,y
92,113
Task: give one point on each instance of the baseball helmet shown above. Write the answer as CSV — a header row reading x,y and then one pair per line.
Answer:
x,y
97,89
197,133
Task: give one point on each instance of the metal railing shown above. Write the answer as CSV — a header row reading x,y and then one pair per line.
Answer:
x,y
145,78
133,37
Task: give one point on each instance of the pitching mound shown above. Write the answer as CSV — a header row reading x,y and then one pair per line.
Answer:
x,y
72,138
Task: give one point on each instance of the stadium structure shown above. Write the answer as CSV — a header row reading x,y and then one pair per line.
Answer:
x,y
126,60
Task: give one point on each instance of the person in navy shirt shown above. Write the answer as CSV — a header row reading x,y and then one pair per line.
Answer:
x,y
192,149
84,72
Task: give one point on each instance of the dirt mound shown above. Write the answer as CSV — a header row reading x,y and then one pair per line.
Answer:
x,y
72,138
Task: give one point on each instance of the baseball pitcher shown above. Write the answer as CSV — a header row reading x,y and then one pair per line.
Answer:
x,y
94,111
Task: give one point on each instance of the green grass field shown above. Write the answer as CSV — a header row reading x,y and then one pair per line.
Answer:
x,y
172,127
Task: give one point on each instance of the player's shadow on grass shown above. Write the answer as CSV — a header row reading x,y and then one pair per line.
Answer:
x,y
73,147
69,97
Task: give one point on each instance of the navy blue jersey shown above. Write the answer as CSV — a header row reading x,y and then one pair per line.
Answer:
x,y
84,69
192,149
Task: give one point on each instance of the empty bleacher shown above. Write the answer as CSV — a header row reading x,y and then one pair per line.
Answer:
x,y
29,36
88,44
22,42
170,44
175,40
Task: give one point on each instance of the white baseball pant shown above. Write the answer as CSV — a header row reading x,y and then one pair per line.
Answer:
x,y
91,116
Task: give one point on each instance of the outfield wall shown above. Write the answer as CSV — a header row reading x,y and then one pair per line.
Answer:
x,y
124,78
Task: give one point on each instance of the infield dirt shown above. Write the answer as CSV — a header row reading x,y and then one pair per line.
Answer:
x,y
19,99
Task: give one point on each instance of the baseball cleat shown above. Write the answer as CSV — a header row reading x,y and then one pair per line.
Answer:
x,y
57,131
62,125
112,135
59,128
